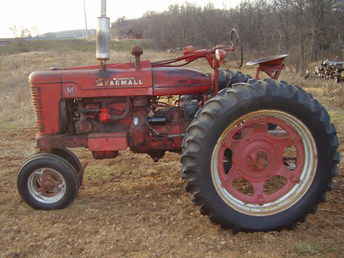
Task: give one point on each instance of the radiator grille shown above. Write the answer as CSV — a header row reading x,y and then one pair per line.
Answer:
x,y
36,102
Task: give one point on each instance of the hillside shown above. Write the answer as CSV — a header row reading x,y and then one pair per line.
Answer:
x,y
68,34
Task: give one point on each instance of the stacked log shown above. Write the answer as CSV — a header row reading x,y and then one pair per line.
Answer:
x,y
328,70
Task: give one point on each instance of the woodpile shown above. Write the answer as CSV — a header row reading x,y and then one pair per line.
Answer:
x,y
327,70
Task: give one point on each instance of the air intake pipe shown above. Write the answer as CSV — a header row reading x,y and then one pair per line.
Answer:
x,y
103,35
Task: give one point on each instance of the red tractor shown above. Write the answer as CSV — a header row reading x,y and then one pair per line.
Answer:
x,y
256,155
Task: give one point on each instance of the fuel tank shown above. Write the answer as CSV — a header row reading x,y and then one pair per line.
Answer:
x,y
123,80
178,81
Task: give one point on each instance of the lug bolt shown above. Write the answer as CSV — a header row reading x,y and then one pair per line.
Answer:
x,y
295,179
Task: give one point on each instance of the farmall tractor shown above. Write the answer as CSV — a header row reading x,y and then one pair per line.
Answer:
x,y
257,155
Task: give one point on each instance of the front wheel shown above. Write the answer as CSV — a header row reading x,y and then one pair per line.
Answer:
x,y
73,160
251,176
46,181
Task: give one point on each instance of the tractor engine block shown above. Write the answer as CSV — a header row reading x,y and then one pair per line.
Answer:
x,y
151,126
101,115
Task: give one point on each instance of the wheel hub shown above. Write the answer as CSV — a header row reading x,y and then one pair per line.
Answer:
x,y
258,161
47,185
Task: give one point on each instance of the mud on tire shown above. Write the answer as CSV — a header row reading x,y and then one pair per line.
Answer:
x,y
247,177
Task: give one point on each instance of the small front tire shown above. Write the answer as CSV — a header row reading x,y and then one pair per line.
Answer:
x,y
73,160
46,181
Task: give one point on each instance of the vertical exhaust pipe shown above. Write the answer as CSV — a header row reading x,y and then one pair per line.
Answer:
x,y
103,35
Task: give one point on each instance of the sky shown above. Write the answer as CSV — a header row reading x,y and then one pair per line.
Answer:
x,y
41,16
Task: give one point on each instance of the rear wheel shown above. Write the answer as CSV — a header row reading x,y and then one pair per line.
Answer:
x,y
46,181
227,78
250,176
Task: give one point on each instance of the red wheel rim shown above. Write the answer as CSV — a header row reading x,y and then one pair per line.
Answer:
x,y
261,159
47,185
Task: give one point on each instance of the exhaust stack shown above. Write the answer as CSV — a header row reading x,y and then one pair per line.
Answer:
x,y
103,35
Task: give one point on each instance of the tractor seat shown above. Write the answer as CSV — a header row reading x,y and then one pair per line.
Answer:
x,y
271,60
272,66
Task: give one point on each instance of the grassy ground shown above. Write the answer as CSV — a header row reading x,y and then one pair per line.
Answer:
x,y
126,210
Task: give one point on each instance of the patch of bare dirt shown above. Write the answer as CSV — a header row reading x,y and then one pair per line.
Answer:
x,y
133,207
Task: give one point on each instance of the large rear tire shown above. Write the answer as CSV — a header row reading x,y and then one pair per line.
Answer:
x,y
249,177
228,78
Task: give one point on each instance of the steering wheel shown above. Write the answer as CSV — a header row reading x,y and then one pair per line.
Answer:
x,y
235,38
236,44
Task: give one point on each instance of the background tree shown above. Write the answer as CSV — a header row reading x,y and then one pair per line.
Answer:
x,y
308,30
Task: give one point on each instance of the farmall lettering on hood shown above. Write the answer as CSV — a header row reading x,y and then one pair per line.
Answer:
x,y
119,82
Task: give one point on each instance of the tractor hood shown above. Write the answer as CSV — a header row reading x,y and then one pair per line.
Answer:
x,y
45,77
123,80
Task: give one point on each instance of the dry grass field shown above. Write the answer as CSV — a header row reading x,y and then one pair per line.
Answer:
x,y
131,206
